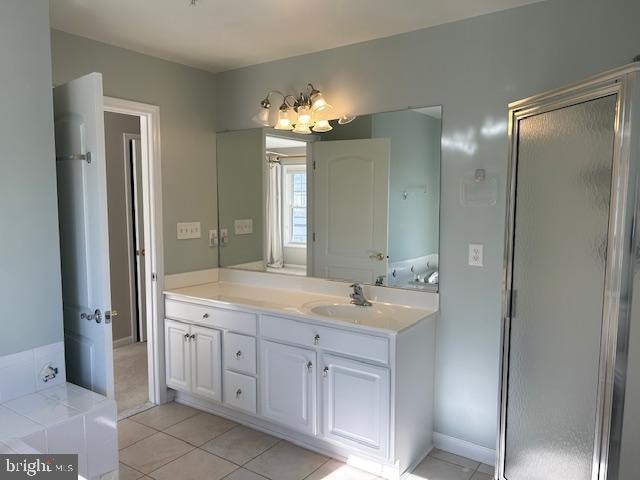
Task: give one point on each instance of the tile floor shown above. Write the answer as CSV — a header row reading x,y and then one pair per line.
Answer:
x,y
130,372
176,442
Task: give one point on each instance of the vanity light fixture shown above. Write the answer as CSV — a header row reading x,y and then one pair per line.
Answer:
x,y
301,114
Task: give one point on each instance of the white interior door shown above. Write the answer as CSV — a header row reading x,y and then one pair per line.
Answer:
x,y
84,239
351,207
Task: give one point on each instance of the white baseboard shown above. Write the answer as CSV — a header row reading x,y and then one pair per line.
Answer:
x,y
121,342
188,279
464,448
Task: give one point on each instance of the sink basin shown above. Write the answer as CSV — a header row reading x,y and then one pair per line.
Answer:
x,y
352,313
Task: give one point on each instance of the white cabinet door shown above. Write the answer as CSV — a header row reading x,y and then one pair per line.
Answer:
x,y
356,404
177,355
288,386
206,362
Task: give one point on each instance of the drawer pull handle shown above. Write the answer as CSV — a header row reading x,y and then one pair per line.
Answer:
x,y
316,339
239,354
205,315
186,337
193,336
325,371
309,366
238,393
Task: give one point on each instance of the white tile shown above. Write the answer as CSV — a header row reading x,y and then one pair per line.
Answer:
x,y
37,441
101,427
49,355
68,437
15,425
74,396
41,409
16,375
18,446
5,449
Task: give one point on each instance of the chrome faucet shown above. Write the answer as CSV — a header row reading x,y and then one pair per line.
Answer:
x,y
357,297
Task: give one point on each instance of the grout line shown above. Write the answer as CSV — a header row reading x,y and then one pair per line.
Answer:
x,y
264,451
319,467
177,458
453,463
138,441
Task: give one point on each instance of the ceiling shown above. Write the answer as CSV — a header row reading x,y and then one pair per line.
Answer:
x,y
219,35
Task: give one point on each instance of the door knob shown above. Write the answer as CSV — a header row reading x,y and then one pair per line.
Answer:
x,y
379,256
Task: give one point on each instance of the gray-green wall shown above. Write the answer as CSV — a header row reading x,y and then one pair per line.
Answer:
x,y
186,97
240,167
30,285
473,68
415,162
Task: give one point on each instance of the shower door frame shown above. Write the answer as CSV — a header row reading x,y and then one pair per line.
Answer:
x,y
621,82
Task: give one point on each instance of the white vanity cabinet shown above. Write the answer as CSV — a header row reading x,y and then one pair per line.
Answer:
x,y
193,358
288,382
344,389
355,404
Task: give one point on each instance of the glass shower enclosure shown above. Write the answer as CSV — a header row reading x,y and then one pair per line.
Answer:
x,y
569,261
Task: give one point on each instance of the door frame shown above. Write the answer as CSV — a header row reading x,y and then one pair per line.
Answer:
x,y
621,236
154,258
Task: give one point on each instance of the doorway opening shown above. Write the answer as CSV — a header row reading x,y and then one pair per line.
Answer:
x,y
134,251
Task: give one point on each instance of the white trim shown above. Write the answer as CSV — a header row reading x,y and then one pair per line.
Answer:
x,y
464,448
188,279
152,205
121,342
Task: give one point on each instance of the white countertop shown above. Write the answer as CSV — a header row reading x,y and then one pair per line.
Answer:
x,y
394,318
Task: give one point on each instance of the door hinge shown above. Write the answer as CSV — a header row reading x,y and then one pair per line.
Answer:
x,y
314,164
153,276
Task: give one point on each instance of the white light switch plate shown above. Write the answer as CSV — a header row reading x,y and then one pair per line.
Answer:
x,y
243,227
476,254
213,238
188,230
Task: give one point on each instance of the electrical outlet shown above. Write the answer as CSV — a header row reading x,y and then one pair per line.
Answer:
x,y
476,255
243,227
213,238
187,230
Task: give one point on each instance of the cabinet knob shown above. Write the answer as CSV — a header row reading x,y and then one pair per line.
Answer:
x,y
238,393
193,336
239,354
310,366
205,315
325,371
316,339
186,337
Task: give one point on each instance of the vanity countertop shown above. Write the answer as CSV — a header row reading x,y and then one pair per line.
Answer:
x,y
384,316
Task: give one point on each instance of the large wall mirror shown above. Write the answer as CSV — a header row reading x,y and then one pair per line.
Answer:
x,y
359,203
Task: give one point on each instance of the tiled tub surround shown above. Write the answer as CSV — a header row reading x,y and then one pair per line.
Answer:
x,y
357,391
63,419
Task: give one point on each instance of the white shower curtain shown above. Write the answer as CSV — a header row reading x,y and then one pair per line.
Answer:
x,y
275,258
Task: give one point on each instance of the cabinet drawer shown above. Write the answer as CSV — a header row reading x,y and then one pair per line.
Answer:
x,y
362,345
240,353
240,391
218,317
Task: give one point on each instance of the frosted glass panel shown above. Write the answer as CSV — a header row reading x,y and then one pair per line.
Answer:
x,y
561,221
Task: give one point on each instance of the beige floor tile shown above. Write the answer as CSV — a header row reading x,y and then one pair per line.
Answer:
x,y
200,428
453,458
484,468
129,432
195,465
153,452
286,461
242,474
128,473
482,476
335,470
433,469
240,444
163,416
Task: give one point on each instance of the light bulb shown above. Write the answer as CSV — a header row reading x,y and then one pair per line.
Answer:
x,y
322,126
318,103
304,116
303,129
262,117
284,122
